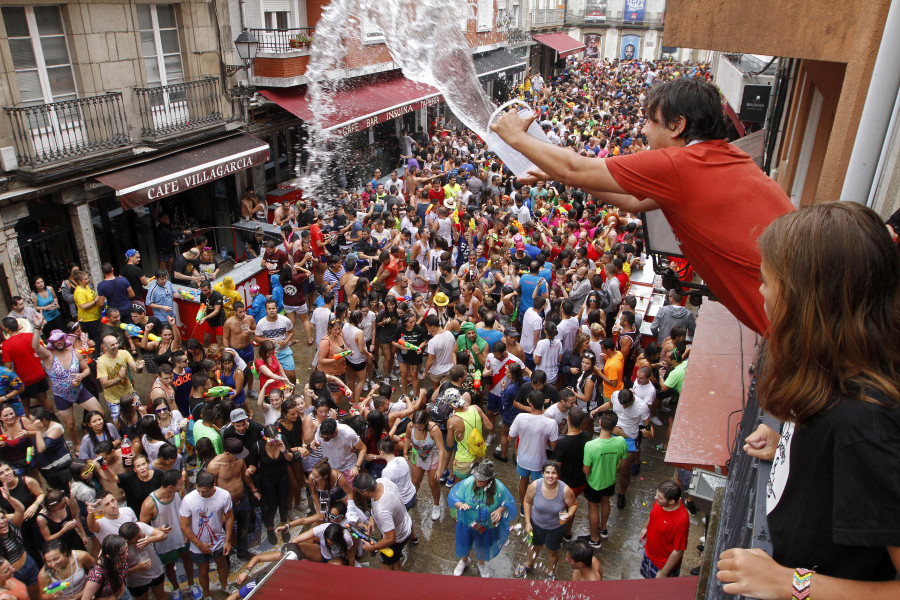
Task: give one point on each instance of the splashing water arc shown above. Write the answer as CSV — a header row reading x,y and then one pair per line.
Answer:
x,y
426,39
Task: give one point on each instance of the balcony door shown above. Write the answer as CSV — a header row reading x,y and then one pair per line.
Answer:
x,y
161,51
46,82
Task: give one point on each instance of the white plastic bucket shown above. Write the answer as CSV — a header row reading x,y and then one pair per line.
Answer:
x,y
512,158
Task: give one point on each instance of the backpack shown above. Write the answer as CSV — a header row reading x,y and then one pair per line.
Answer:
x,y
439,411
475,442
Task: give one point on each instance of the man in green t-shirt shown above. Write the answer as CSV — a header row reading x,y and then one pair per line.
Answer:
x,y
206,428
602,458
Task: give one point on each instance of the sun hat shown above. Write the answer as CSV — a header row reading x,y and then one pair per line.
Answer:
x,y
441,299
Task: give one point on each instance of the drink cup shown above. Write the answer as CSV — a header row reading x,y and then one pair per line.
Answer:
x,y
563,516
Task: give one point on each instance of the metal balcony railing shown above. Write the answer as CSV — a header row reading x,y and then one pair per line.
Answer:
x,y
617,19
48,134
283,40
548,17
173,109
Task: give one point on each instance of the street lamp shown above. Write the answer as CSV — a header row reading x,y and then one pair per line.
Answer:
x,y
247,45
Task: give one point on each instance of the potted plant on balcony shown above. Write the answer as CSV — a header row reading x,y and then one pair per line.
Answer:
x,y
301,40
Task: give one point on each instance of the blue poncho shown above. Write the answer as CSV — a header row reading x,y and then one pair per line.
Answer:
x,y
487,545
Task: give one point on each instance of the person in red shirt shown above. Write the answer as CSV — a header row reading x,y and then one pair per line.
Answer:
x,y
713,195
273,258
390,267
665,534
19,356
436,193
317,240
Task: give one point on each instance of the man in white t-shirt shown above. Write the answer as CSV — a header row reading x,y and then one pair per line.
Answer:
x,y
207,521
559,411
633,416
342,447
320,318
391,517
548,352
279,329
441,351
568,327
532,324
535,433
113,517
644,391
397,470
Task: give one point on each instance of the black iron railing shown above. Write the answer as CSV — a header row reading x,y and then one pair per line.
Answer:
x,y
48,134
283,40
742,516
618,19
548,17
168,110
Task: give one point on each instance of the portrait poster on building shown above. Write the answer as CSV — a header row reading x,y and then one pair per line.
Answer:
x,y
595,11
631,47
634,10
592,45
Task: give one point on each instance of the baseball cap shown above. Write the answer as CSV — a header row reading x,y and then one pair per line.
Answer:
x,y
235,447
238,414
510,332
130,253
520,246
254,289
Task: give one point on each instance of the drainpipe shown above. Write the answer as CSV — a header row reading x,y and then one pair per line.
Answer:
x,y
876,115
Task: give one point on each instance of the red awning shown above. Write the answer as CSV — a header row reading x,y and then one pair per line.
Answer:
x,y
182,171
566,45
303,579
363,101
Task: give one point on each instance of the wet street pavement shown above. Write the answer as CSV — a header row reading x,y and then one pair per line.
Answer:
x,y
620,555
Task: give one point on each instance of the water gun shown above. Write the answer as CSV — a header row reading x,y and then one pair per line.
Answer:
x,y
477,382
562,209
362,535
29,455
523,271
220,391
56,586
347,392
429,209
4,438
472,224
404,298
135,331
408,345
103,318
186,295
456,217
342,354
85,351
372,284
201,313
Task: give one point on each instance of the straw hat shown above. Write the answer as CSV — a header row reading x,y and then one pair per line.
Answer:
x,y
441,299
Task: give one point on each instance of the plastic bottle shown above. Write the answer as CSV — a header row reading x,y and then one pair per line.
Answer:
x,y
126,447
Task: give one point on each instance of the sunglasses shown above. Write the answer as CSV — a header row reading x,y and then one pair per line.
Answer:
x,y
161,410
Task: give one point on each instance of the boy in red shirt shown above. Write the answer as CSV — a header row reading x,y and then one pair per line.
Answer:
x,y
665,533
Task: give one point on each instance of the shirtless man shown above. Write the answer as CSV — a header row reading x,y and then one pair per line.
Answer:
x,y
114,464
282,213
162,387
238,334
585,566
68,388
251,205
231,475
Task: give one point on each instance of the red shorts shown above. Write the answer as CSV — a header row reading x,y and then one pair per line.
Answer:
x,y
206,327
578,490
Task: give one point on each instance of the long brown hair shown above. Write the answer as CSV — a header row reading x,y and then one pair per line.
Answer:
x,y
836,321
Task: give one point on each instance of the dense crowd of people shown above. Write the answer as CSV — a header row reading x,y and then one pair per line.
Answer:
x,y
451,308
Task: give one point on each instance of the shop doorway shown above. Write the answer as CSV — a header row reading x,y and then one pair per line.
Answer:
x,y
47,244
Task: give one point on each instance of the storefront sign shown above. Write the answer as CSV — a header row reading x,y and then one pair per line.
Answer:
x,y
755,103
179,172
370,120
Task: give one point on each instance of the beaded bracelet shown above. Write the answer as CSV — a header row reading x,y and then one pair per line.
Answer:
x,y
802,582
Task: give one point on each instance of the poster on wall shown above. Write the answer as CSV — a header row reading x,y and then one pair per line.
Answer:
x,y
634,10
592,45
631,47
595,12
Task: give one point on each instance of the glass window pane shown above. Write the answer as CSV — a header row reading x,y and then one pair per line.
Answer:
x,y
22,53
144,21
169,41
174,72
152,68
148,46
165,15
48,20
29,86
55,51
14,18
61,81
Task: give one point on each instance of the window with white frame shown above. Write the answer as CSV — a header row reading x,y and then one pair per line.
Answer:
x,y
44,76
160,46
485,16
161,51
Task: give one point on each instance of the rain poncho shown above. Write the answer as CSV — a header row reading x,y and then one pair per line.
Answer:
x,y
487,545
257,308
277,292
229,295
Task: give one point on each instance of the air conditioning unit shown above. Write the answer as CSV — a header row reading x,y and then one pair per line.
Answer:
x,y
8,160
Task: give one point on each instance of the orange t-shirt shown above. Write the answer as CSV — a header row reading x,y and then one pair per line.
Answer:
x,y
328,350
718,202
614,368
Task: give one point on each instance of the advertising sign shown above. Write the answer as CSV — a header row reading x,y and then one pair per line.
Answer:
x,y
755,103
634,10
592,45
631,47
595,12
